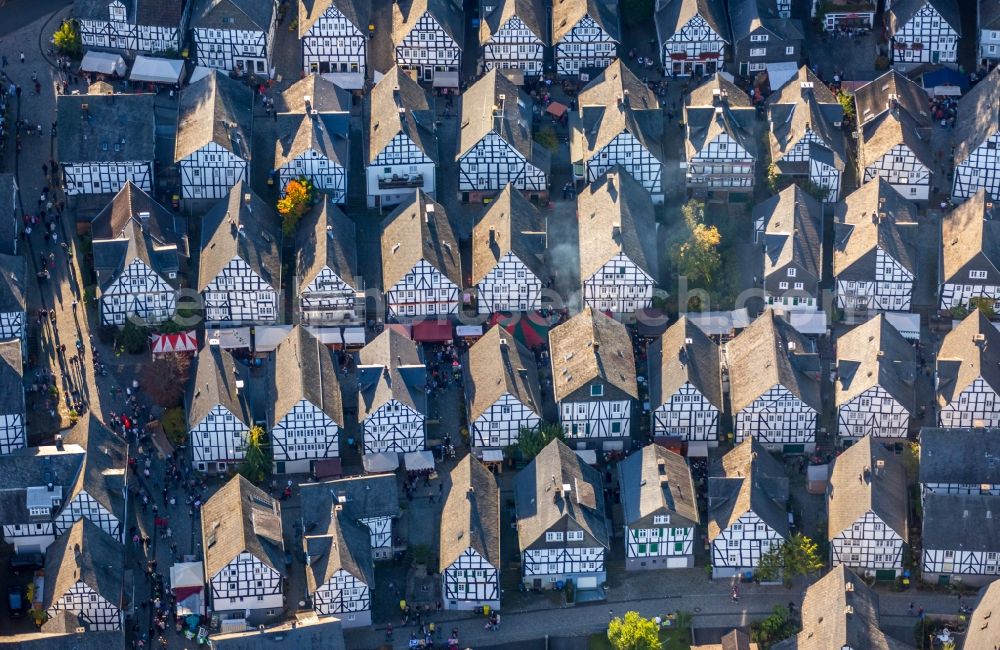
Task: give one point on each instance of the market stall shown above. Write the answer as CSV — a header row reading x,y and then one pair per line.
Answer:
x,y
151,69
180,342
187,582
103,63
380,462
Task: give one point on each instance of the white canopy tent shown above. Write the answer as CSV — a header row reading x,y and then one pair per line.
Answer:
x,y
381,462
720,323
779,73
267,337
905,323
416,461
230,338
154,70
187,582
346,80
199,72
104,63
808,322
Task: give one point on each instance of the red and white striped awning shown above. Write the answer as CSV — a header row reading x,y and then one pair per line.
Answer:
x,y
179,342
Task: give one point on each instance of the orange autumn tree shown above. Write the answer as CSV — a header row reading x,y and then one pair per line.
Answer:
x,y
298,198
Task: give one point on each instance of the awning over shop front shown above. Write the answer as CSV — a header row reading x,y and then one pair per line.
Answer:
x,y
346,80
432,331
445,79
492,456
718,323
905,323
354,336
588,456
103,63
381,462
327,468
463,331
697,449
416,461
155,70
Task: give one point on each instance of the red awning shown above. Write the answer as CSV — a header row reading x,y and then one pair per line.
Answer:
x,y
708,55
432,331
327,468
678,56
183,592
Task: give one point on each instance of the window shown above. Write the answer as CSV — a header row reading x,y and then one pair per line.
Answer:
x,y
977,275
661,520
792,271
758,51
782,285
553,537
596,390
758,38
790,50
574,536
616,427
799,286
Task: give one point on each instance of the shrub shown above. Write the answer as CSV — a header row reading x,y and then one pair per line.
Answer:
x,y
67,39
174,426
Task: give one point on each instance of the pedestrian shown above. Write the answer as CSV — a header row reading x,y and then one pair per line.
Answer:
x,y
34,75
74,303
22,57
920,613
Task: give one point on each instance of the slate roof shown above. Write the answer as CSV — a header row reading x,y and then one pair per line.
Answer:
x,y
165,13
617,213
327,237
858,486
540,504
86,554
655,480
857,236
792,92
887,131
395,370
793,231
400,105
241,518
237,228
111,256
303,368
591,346
470,516
255,15
961,359
498,364
892,89
748,478
902,11
97,9
969,456
213,382
567,13
417,231
703,124
760,358
306,632
745,16
214,109
11,376
357,11
875,354
298,134
814,109
983,626
344,545
968,231
360,497
35,467
673,15
989,15
510,224
114,128
673,362
9,214
447,13
978,116
961,522
324,96
12,283
58,633
102,474
531,12
163,226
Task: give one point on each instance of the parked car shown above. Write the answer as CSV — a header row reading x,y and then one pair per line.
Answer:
x,y
26,562
16,602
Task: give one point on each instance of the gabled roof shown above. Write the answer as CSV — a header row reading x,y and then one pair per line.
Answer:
x,y
961,522
540,503
255,15
236,227
326,237
530,12
323,96
793,231
129,204
671,16
98,9
87,554
241,518
400,105
969,351
498,364
875,354
989,15
213,382
814,109
767,353
470,516
510,224
591,346
967,232
616,212
747,479
892,90
902,11
867,478
718,106
978,116
674,361
419,229
102,474
35,467
297,134
13,273
793,91
889,130
164,13
111,256
745,16
969,456
858,235
214,109
105,128
567,13
983,626
358,12
306,632
359,497
655,480
343,545
447,13
391,367
303,368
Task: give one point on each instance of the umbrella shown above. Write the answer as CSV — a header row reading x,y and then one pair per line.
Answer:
x,y
557,109
531,329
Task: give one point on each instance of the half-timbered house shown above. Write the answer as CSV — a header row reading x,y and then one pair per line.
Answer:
x,y
402,141
509,268
340,573
84,576
97,493
13,303
789,229
235,35
427,37
618,123
239,269
372,501
660,509
563,532
685,390
989,33
922,31
326,273
845,15
305,414
764,34
133,26
959,461
421,261
970,254
334,36
960,539
469,546
495,146
977,140
244,552
968,374
876,252
502,391
747,499
104,141
693,36
218,415
514,35
12,409
594,380
774,385
719,143
618,257
313,147
585,36
212,149
392,400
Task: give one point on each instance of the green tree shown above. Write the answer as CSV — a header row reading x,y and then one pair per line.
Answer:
x,y
697,256
256,461
847,103
546,136
133,337
985,305
634,632
174,425
775,627
799,556
67,39
531,441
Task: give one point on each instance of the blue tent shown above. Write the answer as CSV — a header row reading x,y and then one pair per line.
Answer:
x,y
945,77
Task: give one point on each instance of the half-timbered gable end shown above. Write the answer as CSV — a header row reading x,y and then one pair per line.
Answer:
x,y
660,507
502,391
876,254
594,379
763,33
586,35
693,36
562,529
789,227
104,141
392,400
774,385
469,549
326,260
618,258
305,414
427,37
977,140
12,296
372,501
12,411
747,499
495,145
212,149
135,26
989,32
968,374
235,35
867,508
98,491
959,461
334,36
421,261
719,144
314,147
83,576
239,272
218,415
970,253
339,569
244,551
923,31
513,35
402,142
619,123
960,539
685,390
509,269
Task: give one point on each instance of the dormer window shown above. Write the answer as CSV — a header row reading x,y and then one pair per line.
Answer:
x,y
661,520
597,390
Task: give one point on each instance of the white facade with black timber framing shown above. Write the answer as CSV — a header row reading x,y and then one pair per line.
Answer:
x,y
339,568
960,539
12,409
719,147
218,417
393,427
585,35
789,229
968,374
392,401
737,549
326,272
513,36
847,16
427,37
235,36
469,547
693,36
970,256
83,576
313,147
989,33
959,461
345,597
922,31
141,27
334,37
977,140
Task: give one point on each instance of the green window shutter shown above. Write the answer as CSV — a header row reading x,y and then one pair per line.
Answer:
x,y
678,547
654,548
642,548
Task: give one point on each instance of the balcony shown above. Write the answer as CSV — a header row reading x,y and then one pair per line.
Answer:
x,y
396,181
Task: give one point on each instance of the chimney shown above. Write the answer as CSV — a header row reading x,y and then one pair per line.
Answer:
x,y
791,346
59,441
596,345
144,217
493,234
616,230
50,487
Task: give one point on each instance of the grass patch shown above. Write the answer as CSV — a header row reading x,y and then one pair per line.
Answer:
x,y
672,639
